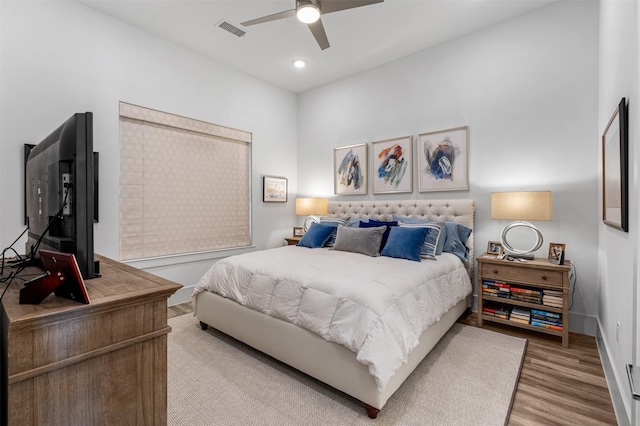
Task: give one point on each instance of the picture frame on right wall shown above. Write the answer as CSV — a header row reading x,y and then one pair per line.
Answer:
x,y
615,169
443,160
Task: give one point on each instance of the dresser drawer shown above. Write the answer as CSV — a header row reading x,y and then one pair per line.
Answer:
x,y
522,275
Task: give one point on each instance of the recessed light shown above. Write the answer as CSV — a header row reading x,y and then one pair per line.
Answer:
x,y
299,63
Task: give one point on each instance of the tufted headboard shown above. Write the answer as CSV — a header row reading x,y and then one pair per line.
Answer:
x,y
461,211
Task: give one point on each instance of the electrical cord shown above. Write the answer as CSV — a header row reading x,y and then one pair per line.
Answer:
x,y
24,262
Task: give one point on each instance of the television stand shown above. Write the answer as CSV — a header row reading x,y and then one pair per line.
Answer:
x,y
67,363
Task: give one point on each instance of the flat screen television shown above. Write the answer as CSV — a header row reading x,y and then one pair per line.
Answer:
x,y
61,182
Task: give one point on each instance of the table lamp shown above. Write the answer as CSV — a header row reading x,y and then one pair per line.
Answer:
x,y
521,206
311,207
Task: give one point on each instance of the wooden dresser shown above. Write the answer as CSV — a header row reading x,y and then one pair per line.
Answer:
x,y
105,363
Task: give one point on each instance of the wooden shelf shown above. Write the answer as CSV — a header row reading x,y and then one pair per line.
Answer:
x,y
537,274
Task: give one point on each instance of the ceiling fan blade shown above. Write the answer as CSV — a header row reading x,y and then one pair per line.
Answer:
x,y
268,18
328,6
317,29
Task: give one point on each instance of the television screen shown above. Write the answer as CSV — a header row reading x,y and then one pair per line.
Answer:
x,y
61,193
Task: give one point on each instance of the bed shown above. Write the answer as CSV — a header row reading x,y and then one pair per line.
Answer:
x,y
351,361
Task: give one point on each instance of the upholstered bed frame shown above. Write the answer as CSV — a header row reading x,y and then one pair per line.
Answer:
x,y
326,361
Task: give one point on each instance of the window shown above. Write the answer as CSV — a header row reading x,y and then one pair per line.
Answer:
x,y
184,185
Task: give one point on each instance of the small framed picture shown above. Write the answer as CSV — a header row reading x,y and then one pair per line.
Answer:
x,y
298,231
274,189
556,253
494,247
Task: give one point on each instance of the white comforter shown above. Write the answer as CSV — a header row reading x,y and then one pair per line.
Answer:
x,y
375,306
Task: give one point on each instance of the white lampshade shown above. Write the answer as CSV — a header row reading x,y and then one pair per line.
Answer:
x,y
308,13
523,205
311,206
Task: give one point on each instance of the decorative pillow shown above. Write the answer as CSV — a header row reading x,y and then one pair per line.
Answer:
x,y
333,222
316,236
405,242
415,220
428,250
354,222
456,239
359,240
373,223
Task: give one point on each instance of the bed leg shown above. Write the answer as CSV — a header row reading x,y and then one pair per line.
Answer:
x,y
203,325
372,412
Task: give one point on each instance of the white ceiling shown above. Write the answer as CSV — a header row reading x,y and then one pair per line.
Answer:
x,y
360,38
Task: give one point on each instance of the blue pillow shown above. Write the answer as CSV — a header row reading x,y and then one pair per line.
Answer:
x,y
405,243
456,240
316,236
375,223
428,250
354,222
415,220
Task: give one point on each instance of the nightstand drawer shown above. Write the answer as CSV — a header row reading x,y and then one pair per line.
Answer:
x,y
523,275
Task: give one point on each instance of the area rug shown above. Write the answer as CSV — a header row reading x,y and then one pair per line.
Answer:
x,y
469,378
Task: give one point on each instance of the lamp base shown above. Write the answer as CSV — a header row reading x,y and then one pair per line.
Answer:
x,y
528,256
309,220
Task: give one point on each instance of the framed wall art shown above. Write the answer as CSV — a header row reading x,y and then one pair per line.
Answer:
x,y
274,189
443,160
392,169
615,170
350,169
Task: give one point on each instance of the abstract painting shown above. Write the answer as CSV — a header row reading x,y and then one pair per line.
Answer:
x,y
392,165
350,169
443,160
274,189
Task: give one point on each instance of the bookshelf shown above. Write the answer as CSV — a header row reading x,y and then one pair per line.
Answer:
x,y
536,287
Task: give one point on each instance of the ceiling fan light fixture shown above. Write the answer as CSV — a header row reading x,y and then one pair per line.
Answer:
x,y
308,12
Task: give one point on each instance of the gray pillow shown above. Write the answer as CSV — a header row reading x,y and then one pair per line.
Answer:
x,y
359,240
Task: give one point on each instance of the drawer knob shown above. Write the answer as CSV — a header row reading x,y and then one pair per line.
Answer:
x,y
495,271
544,278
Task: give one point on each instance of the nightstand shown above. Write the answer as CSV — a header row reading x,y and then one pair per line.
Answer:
x,y
535,287
292,241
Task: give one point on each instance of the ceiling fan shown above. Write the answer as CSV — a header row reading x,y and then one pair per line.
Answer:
x,y
309,11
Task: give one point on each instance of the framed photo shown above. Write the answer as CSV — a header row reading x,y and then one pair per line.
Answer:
x,y
350,169
392,166
443,160
494,247
615,170
556,253
274,189
298,231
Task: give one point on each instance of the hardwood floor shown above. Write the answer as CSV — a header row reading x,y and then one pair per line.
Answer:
x,y
557,386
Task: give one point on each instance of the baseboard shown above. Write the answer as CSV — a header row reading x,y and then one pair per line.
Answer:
x,y
622,415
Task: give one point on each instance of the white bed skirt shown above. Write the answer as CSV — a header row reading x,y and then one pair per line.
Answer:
x,y
328,362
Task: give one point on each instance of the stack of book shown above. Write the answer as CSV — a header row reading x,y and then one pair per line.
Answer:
x,y
526,295
520,315
496,289
550,320
552,298
498,311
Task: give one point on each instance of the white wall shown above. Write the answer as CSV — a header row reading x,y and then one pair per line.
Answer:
x,y
618,251
59,58
527,88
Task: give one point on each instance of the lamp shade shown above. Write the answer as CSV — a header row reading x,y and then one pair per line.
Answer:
x,y
312,206
531,205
